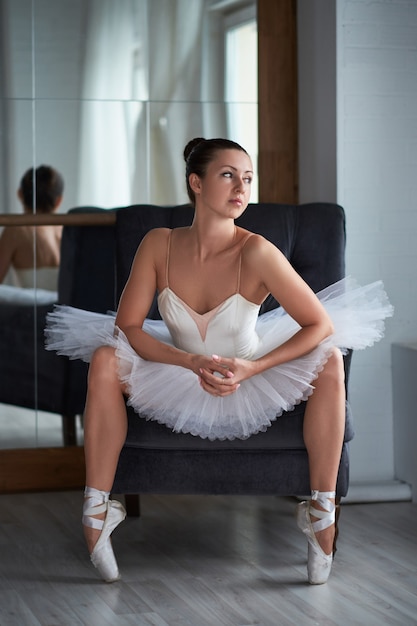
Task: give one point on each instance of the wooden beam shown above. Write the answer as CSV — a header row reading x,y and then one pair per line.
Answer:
x,y
105,218
277,104
41,469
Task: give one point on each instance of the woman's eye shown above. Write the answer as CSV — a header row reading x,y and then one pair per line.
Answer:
x,y
247,179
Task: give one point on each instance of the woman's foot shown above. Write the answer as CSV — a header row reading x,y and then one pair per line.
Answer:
x,y
100,517
316,519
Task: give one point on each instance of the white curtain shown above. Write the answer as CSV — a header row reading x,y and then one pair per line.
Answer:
x,y
113,89
175,28
142,99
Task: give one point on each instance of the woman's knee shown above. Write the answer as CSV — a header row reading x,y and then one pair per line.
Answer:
x,y
333,372
103,365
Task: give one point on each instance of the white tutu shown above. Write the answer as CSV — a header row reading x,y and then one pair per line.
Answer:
x,y
171,394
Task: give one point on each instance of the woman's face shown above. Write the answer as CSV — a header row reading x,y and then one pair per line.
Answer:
x,y
226,185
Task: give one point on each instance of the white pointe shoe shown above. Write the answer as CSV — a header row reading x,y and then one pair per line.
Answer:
x,y
319,563
102,557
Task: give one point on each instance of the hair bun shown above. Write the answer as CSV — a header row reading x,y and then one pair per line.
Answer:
x,y
191,145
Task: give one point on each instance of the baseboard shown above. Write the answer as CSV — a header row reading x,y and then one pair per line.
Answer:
x,y
378,491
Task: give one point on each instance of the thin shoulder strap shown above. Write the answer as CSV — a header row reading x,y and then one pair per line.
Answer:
x,y
248,236
167,259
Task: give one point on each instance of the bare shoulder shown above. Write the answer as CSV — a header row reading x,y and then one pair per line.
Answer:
x,y
258,248
14,236
154,242
263,260
159,236
156,236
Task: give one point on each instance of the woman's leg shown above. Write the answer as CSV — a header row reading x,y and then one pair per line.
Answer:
x,y
324,426
105,427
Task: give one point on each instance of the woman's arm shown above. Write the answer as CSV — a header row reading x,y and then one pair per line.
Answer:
x,y
266,267
298,300
137,298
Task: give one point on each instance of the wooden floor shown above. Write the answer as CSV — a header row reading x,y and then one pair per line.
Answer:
x,y
205,561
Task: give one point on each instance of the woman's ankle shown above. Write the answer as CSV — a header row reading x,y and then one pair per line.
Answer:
x,y
323,503
91,536
325,539
94,514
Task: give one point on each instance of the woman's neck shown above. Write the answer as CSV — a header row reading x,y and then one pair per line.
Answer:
x,y
214,237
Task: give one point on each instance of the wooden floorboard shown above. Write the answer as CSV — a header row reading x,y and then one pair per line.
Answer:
x,y
205,561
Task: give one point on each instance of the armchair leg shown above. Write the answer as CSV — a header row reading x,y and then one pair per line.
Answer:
x,y
336,525
132,502
69,430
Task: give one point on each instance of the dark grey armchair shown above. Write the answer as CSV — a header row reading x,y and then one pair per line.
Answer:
x,y
156,460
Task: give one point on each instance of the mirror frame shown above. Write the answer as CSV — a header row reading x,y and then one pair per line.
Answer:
x,y
40,469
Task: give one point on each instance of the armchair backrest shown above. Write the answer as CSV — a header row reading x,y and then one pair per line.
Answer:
x,y
86,281
87,269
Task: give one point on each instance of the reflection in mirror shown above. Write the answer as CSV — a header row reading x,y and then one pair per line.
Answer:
x,y
26,248
89,101
118,89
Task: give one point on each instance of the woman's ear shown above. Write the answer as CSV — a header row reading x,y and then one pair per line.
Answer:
x,y
195,183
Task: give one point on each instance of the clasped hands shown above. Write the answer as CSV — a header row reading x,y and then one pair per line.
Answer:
x,y
221,376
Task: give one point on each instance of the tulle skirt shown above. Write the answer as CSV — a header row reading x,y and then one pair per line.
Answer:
x,y
171,395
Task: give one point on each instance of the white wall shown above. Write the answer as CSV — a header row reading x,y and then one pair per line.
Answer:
x,y
316,20
377,183
376,108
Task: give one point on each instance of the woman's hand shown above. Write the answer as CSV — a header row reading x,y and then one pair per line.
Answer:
x,y
222,376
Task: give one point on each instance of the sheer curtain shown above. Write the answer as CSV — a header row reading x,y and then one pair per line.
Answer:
x,y
112,90
175,92
141,99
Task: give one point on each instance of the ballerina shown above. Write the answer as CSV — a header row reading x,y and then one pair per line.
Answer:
x,y
213,367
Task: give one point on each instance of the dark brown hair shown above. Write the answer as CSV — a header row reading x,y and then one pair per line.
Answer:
x,y
49,186
199,152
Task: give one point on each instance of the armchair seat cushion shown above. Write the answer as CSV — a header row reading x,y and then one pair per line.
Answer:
x,y
285,433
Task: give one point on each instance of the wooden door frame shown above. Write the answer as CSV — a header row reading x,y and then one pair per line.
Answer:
x,y
277,101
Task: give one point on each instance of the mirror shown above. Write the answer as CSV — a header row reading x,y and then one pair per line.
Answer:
x,y
109,92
